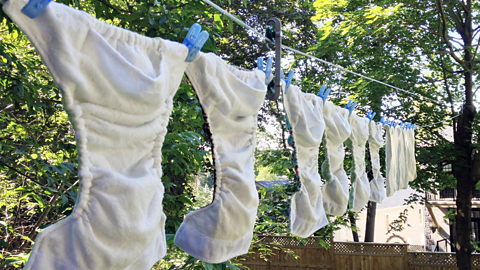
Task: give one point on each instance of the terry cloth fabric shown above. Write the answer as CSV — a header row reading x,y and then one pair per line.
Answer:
x,y
391,160
305,114
117,88
337,131
375,142
360,188
231,99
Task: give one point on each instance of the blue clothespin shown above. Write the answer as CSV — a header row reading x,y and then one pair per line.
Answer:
x,y
35,8
383,120
351,106
288,81
267,70
413,127
370,115
390,123
395,123
195,41
324,93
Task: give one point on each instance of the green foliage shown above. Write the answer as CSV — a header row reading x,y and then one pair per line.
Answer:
x,y
398,224
265,173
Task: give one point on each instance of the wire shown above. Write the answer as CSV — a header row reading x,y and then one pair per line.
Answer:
x,y
441,121
260,35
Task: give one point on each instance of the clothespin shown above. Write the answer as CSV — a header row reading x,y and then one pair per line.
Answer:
x,y
370,115
395,123
288,81
35,8
324,93
195,41
383,120
351,106
413,127
268,69
390,122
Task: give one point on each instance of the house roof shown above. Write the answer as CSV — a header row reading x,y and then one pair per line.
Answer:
x,y
272,183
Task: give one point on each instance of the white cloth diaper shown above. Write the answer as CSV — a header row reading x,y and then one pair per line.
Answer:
x,y
231,99
305,114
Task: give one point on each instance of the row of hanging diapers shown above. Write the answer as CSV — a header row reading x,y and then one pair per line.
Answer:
x,y
118,87
312,121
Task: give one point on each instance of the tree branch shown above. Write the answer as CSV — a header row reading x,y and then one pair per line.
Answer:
x,y
445,35
23,174
114,8
179,6
449,93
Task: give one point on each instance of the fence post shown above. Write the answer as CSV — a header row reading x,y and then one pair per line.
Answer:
x,y
332,254
405,249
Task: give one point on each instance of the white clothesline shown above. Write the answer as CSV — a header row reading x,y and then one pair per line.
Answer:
x,y
441,121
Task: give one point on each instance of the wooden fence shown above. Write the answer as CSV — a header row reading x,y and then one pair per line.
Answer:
x,y
290,253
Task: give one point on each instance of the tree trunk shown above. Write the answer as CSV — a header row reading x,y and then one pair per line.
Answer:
x,y
465,182
463,160
371,213
370,226
353,223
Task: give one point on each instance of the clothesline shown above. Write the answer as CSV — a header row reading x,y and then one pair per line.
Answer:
x,y
441,121
260,35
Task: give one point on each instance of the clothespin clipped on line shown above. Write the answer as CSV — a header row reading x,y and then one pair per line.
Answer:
x,y
371,115
351,106
195,41
288,81
390,122
35,7
382,120
267,70
324,93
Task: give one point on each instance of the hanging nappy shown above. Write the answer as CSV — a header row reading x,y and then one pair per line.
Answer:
x,y
231,99
360,188
391,160
305,115
412,164
117,87
375,142
337,131
402,171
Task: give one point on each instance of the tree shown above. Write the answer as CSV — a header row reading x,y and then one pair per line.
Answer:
x,y
426,47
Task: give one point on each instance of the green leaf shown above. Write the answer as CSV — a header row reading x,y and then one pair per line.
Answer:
x,y
218,21
64,200
39,199
207,266
4,244
231,266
